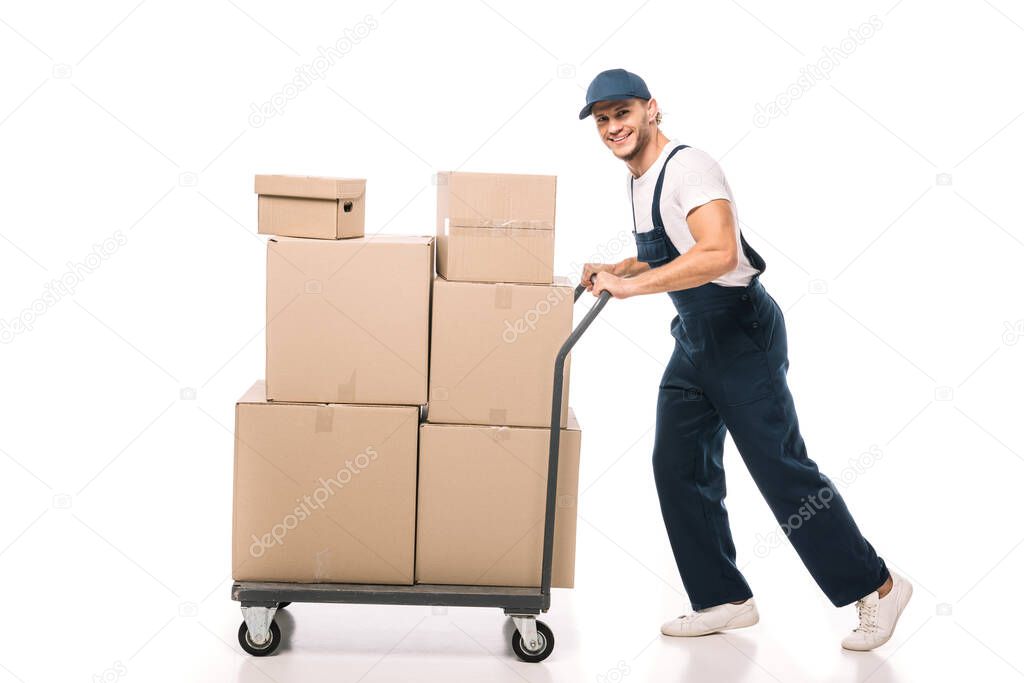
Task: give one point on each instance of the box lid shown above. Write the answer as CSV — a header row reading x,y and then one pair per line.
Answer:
x,y
310,186
425,240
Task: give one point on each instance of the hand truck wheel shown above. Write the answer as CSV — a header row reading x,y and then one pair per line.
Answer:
x,y
257,650
537,651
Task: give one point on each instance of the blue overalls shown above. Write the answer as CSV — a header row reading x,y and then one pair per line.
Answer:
x,y
728,372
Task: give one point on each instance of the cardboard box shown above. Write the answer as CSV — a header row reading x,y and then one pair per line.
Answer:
x,y
348,321
492,352
481,504
306,206
496,227
324,493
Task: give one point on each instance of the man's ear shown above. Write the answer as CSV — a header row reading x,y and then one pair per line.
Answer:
x,y
652,110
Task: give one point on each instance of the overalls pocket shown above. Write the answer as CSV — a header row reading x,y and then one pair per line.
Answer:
x,y
737,355
651,247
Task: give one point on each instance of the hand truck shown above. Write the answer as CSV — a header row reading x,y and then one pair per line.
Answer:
x,y
532,640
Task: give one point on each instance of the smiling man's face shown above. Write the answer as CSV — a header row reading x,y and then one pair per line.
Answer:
x,y
625,126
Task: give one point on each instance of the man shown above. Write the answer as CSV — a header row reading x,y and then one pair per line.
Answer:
x,y
728,372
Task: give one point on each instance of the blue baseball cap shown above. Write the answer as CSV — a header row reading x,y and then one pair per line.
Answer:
x,y
614,84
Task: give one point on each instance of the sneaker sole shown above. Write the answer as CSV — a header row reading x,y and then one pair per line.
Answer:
x,y
736,622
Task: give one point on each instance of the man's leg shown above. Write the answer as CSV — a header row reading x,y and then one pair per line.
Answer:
x,y
688,444
757,407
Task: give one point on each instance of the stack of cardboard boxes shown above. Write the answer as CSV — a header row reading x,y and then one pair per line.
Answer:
x,y
338,478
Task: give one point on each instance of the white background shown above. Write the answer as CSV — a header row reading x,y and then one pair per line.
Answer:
x,y
885,201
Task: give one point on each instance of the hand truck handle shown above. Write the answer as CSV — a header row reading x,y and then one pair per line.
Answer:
x,y
556,432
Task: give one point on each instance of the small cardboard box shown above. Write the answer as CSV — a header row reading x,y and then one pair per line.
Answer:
x,y
348,321
493,349
324,493
481,505
496,227
306,206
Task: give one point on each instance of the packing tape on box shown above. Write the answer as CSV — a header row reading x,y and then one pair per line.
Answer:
x,y
502,296
347,390
497,416
324,419
518,224
492,227
501,433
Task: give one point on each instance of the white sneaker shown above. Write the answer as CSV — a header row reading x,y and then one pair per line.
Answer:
x,y
878,616
713,619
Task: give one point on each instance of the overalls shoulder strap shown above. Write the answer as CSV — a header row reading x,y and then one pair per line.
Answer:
x,y
656,209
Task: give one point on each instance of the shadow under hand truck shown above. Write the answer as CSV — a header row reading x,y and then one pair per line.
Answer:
x,y
532,640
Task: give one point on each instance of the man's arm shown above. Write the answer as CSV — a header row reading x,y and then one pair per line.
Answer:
x,y
713,255
630,267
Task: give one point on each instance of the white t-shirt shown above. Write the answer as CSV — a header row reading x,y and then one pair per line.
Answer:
x,y
692,178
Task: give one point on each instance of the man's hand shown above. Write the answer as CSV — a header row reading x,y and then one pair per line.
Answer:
x,y
592,269
618,287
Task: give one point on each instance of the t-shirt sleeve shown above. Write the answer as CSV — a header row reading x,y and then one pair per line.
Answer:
x,y
701,180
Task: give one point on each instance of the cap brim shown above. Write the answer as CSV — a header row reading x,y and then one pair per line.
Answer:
x,y
585,112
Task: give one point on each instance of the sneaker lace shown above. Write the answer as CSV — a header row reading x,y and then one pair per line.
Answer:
x,y
867,613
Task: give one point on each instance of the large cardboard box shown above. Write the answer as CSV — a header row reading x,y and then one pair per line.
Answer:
x,y
307,206
493,349
481,504
496,227
324,493
348,321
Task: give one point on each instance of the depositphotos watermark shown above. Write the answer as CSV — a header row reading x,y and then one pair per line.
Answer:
x,y
606,252
309,503
1012,331
112,673
821,500
615,674
816,71
57,289
603,253
308,74
529,320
